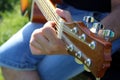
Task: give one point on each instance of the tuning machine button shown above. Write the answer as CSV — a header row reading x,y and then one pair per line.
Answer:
x,y
92,45
83,37
88,62
70,48
78,54
107,34
86,69
78,61
88,19
96,27
75,30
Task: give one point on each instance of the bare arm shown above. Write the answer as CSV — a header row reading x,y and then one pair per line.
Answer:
x,y
112,21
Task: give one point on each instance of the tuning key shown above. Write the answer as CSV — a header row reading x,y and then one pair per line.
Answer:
x,y
92,45
82,37
78,54
75,30
88,62
96,27
78,61
86,68
107,34
88,19
70,48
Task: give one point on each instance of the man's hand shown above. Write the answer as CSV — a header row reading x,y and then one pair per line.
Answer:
x,y
45,40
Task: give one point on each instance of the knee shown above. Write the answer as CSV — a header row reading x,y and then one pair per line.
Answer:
x,y
10,74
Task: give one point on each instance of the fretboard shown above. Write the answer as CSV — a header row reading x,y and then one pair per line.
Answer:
x,y
48,10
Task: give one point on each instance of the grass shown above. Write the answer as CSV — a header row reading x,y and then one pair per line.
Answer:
x,y
10,23
1,77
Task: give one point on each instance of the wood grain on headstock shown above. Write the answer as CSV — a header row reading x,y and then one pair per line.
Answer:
x,y
100,56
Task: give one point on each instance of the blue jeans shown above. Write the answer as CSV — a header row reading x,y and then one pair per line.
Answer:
x,y
15,53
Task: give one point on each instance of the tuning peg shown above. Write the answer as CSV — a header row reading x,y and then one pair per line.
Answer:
x,y
107,34
78,54
97,78
82,37
92,45
88,62
74,30
70,48
86,69
96,27
88,19
78,61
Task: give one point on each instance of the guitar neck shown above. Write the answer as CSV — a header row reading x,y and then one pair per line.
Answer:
x,y
48,10
80,41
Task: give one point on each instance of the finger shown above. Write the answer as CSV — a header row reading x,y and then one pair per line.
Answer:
x,y
42,40
49,24
49,32
35,50
100,33
35,47
64,14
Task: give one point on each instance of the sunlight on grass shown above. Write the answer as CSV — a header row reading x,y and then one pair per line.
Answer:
x,y
10,23
1,78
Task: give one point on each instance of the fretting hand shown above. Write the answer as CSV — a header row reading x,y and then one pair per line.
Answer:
x,y
45,40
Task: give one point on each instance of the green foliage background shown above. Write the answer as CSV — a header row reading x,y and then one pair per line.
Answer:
x,y
11,20
7,4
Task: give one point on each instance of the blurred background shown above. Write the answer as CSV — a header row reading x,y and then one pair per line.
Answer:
x,y
11,20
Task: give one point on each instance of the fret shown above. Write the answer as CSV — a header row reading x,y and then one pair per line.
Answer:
x,y
48,11
80,41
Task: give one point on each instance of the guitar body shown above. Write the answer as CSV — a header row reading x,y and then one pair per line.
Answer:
x,y
36,15
24,6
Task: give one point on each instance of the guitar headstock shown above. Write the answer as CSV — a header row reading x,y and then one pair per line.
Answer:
x,y
92,50
89,48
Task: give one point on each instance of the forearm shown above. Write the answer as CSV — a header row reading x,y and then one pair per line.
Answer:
x,y
112,21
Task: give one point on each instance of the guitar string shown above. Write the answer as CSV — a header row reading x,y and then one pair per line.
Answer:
x,y
53,16
47,9
63,34
49,14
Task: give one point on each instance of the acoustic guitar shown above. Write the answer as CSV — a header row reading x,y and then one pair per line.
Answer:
x,y
93,51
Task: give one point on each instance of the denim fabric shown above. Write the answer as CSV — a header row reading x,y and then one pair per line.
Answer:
x,y
15,53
